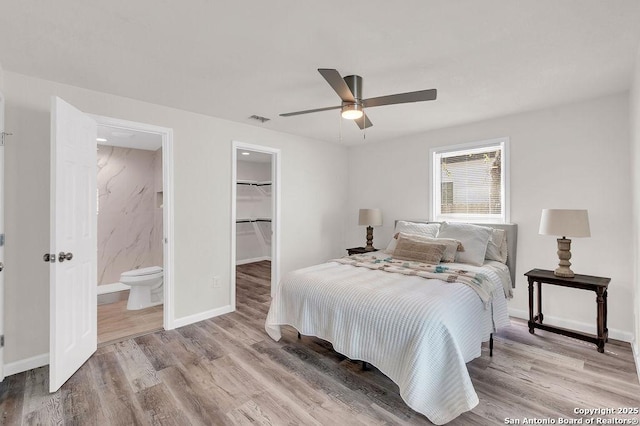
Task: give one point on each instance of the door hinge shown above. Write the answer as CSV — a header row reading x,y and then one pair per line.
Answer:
x,y
2,341
1,240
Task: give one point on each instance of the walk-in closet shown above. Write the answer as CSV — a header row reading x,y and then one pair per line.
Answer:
x,y
253,207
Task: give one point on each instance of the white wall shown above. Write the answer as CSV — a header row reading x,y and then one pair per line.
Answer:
x,y
313,195
634,98
253,170
573,156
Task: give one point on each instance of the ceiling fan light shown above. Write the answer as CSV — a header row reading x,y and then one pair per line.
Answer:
x,y
352,112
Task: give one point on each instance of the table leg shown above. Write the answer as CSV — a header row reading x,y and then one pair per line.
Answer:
x,y
606,330
540,302
531,328
601,316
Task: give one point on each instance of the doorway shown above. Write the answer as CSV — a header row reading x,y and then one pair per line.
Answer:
x,y
255,218
158,143
130,204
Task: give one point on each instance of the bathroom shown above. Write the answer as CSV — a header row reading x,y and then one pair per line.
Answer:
x,y
130,233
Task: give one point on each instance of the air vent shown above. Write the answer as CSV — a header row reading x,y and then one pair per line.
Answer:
x,y
259,118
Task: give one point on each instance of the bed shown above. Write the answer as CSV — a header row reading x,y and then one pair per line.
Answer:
x,y
415,322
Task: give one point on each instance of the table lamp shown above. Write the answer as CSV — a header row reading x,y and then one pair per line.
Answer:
x,y
565,223
370,218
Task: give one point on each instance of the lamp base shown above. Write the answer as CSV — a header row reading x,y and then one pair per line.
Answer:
x,y
369,246
564,254
563,272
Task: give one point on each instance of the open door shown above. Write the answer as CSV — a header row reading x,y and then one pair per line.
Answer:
x,y
1,237
73,256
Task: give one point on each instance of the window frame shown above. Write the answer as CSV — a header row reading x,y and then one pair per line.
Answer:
x,y
436,183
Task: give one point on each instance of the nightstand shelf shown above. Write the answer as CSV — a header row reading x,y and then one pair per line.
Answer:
x,y
585,282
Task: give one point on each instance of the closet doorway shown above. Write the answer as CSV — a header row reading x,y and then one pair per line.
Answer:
x,y
255,218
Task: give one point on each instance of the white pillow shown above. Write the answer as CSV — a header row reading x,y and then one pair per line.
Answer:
x,y
474,239
497,246
424,229
451,246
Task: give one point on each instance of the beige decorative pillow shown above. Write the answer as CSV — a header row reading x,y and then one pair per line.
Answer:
x,y
413,228
418,251
451,246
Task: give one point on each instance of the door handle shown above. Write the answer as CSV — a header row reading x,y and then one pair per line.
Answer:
x,y
1,266
62,256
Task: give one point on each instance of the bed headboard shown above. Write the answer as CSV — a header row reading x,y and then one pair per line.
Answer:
x,y
512,242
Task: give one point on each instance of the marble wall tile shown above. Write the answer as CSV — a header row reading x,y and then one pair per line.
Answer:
x,y
129,220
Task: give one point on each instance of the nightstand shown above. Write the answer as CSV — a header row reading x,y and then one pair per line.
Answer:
x,y
585,282
359,250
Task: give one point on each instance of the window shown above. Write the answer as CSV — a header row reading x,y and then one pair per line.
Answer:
x,y
470,182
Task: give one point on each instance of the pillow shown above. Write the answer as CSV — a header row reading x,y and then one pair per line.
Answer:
x,y
474,239
418,251
451,246
424,229
497,246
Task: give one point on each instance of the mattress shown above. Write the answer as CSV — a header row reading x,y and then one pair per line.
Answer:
x,y
419,332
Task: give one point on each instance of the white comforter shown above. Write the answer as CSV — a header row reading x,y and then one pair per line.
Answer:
x,y
419,332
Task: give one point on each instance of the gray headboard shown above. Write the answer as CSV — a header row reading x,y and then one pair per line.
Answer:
x,y
512,242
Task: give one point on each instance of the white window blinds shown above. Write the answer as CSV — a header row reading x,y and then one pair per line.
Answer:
x,y
470,182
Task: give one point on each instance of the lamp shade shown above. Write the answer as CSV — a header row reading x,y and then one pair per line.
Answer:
x,y
565,223
370,217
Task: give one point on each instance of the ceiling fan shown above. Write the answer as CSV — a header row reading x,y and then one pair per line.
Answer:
x,y
349,89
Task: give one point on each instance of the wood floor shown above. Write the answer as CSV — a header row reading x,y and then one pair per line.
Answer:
x,y
116,322
228,371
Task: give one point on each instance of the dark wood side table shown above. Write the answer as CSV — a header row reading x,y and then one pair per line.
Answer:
x,y
359,250
584,282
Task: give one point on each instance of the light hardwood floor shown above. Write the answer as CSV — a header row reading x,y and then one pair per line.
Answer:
x,y
116,322
228,371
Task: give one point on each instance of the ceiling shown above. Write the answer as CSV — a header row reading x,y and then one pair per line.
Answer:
x,y
128,138
235,59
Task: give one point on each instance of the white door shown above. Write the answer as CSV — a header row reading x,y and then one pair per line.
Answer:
x,y
73,297
1,237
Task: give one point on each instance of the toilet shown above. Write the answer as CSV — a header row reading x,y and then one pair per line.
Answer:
x,y
146,287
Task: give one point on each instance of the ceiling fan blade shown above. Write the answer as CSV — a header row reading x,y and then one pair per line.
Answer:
x,y
289,114
363,122
337,83
402,98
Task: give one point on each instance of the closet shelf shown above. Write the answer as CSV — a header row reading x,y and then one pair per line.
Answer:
x,y
258,219
254,182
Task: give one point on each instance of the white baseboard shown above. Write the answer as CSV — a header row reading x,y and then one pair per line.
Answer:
x,y
112,288
16,367
255,259
625,336
181,322
26,364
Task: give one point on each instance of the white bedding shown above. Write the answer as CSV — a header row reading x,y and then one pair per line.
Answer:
x,y
418,332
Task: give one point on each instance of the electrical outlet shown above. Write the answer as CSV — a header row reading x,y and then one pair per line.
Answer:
x,y
216,282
